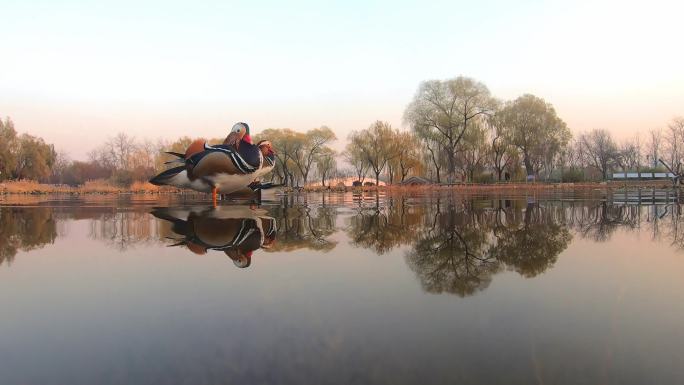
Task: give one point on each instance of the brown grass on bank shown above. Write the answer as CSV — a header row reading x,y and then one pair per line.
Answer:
x,y
104,187
32,187
90,187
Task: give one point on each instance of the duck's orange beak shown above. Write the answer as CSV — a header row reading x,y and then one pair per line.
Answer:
x,y
247,138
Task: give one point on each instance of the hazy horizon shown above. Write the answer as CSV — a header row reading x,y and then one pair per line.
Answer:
x,y
75,73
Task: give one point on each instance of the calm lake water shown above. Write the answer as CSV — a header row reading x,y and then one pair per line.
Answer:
x,y
343,289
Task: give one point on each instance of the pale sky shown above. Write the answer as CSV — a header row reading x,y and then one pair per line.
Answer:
x,y
76,72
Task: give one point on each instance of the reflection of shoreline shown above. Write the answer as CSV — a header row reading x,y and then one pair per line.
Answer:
x,y
25,230
454,244
457,245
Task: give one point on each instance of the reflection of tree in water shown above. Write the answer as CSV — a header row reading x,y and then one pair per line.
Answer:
x,y
382,228
453,258
454,244
304,227
667,223
125,229
24,230
599,220
458,244
530,248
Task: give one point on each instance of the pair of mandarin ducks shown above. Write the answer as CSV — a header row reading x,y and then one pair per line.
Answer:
x,y
224,168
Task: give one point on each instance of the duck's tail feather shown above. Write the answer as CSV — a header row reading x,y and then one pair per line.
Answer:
x,y
176,154
180,158
176,176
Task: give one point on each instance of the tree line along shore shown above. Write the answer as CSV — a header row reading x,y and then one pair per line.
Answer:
x,y
458,135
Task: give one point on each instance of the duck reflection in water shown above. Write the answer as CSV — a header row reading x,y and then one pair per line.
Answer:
x,y
236,230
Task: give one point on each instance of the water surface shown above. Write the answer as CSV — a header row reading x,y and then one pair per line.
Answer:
x,y
343,289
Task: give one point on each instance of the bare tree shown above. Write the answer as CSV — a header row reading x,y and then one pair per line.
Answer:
x,y
121,147
600,150
654,146
674,139
630,154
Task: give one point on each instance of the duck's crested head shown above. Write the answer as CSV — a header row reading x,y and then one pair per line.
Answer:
x,y
240,127
266,147
241,260
243,129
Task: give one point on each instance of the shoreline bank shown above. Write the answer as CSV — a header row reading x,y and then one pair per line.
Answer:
x,y
100,188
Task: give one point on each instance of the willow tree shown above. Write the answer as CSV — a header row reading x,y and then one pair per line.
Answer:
x,y
354,156
24,156
474,151
409,156
8,148
313,145
375,143
325,164
34,158
449,108
435,154
502,152
288,145
534,128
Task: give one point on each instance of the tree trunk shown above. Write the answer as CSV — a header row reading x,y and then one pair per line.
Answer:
x,y
452,166
528,166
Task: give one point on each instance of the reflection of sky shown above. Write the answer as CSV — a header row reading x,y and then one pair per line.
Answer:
x,y
78,69
607,312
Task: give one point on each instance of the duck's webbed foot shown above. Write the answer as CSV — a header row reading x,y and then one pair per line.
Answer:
x,y
214,195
